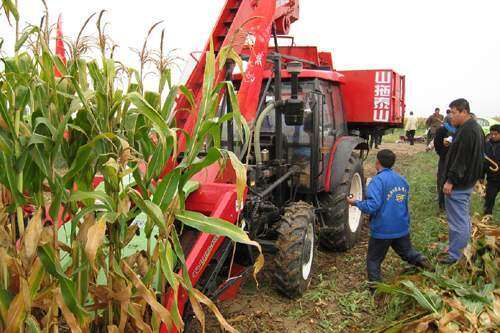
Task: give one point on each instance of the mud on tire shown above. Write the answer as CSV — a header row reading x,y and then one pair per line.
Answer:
x,y
295,250
339,234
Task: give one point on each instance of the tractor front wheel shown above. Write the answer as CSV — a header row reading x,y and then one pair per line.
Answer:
x,y
295,250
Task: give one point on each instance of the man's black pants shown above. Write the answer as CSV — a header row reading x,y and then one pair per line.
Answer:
x,y
377,250
411,136
492,189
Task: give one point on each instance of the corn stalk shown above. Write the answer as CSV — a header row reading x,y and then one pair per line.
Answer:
x,y
57,136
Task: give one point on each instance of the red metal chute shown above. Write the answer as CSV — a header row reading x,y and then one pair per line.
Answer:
x,y
60,51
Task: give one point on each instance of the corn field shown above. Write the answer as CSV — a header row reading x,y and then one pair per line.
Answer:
x,y
82,142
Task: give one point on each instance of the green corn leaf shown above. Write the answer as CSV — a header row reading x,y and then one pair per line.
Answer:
x,y
46,122
96,76
6,144
5,113
5,300
22,97
186,280
168,106
150,209
214,226
165,78
12,180
61,67
424,300
10,8
241,176
39,139
149,112
166,189
238,117
83,155
55,205
213,155
167,265
159,159
47,256
188,94
32,325
190,187
208,125
94,196
153,98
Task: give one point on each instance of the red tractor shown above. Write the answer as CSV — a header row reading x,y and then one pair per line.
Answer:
x,y
309,123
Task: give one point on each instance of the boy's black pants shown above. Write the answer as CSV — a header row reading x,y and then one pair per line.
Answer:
x,y
377,250
492,189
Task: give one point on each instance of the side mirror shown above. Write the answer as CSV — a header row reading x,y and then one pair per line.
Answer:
x,y
293,108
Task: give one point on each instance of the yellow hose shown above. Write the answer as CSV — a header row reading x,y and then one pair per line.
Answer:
x,y
495,167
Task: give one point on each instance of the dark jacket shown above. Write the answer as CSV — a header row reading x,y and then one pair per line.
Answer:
x,y
442,133
465,158
387,204
492,151
434,122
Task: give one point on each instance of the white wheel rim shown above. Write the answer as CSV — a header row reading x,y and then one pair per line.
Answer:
x,y
307,256
357,193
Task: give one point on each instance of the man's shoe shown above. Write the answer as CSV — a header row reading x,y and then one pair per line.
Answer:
x,y
447,260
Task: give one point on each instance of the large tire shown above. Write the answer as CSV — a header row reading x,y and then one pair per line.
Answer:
x,y
295,250
343,223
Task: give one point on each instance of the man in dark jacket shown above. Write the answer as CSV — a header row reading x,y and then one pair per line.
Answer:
x,y
442,142
492,176
433,123
464,167
387,204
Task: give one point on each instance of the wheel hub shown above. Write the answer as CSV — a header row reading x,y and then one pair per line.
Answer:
x,y
307,255
357,192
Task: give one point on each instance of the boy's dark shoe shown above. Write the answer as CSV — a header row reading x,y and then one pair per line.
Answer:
x,y
447,260
426,264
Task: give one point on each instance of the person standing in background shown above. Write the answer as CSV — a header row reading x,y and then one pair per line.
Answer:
x,y
492,176
463,168
411,128
448,116
433,123
442,141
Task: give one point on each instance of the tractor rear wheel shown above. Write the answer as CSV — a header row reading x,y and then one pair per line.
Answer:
x,y
343,223
295,250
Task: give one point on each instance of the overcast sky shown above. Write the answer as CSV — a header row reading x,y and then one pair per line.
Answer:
x,y
446,48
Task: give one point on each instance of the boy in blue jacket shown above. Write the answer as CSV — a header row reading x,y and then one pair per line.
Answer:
x,y
387,204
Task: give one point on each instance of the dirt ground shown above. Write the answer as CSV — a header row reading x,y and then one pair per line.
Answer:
x,y
337,300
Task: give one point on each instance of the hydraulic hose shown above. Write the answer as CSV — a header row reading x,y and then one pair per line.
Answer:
x,y
258,128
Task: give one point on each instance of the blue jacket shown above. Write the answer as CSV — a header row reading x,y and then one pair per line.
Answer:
x,y
387,204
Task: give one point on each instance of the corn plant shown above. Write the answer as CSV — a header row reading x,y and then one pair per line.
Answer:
x,y
64,125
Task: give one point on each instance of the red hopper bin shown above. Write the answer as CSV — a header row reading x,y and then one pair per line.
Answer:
x,y
374,96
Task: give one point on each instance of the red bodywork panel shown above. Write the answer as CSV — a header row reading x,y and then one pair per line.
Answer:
x,y
374,97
